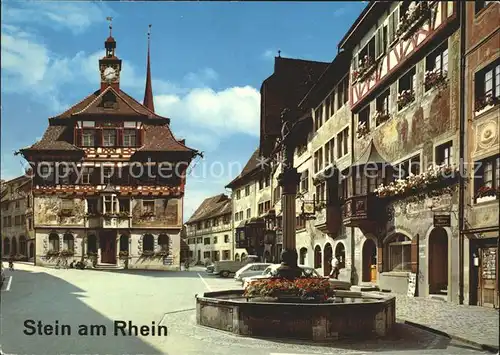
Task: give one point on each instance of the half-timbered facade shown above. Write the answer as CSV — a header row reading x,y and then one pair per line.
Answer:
x,y
109,179
402,200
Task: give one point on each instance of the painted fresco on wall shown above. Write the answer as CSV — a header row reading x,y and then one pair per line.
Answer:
x,y
166,213
48,211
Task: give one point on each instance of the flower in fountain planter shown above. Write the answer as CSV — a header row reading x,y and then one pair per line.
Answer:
x,y
362,129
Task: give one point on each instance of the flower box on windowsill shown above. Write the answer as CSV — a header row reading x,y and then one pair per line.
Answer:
x,y
485,103
435,79
486,199
366,66
405,98
380,117
363,130
413,19
148,253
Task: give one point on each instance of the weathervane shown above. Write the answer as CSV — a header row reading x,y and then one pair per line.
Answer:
x,y
110,20
149,32
279,53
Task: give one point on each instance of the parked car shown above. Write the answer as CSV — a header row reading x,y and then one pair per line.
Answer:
x,y
249,270
307,271
210,268
227,267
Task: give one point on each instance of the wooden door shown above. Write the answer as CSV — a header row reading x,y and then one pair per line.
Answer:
x,y
108,249
487,293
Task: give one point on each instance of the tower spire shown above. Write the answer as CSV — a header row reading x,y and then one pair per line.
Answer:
x,y
148,92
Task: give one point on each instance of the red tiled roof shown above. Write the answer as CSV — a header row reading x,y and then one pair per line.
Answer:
x,y
249,168
211,207
160,139
56,137
157,134
92,104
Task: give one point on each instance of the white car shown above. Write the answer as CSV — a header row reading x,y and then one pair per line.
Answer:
x,y
271,271
250,270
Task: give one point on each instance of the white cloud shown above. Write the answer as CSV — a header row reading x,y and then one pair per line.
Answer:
x,y
201,115
75,16
214,115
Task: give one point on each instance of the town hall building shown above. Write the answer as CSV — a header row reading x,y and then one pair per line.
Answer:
x,y
109,180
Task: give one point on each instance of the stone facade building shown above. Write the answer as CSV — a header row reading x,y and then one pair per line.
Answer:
x,y
209,231
17,232
482,112
404,96
109,180
385,147
251,200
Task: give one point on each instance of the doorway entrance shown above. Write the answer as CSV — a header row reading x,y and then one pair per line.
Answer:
x,y
484,287
107,243
438,261
31,250
369,261
327,259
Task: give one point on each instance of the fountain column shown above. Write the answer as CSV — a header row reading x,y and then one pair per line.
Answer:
x,y
288,180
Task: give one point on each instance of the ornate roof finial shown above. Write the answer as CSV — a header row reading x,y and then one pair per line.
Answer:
x,y
279,53
110,20
148,92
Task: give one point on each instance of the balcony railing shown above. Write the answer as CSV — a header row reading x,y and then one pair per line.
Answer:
x,y
362,210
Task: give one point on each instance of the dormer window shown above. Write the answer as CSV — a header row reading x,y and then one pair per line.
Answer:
x,y
108,134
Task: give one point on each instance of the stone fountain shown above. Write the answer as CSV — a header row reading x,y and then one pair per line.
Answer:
x,y
342,314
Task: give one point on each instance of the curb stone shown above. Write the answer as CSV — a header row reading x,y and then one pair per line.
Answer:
x,y
490,348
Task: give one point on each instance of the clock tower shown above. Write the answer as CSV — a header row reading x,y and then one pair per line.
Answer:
x,y
110,65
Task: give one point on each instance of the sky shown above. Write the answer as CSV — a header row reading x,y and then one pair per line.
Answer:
x,y
208,60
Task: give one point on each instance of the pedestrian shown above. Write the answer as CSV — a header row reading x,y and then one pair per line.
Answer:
x,y
11,263
335,267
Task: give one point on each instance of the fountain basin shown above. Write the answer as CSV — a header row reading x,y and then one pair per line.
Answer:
x,y
353,314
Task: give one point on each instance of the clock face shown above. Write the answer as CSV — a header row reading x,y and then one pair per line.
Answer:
x,y
109,73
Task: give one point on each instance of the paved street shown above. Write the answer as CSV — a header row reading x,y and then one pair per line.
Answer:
x,y
77,297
